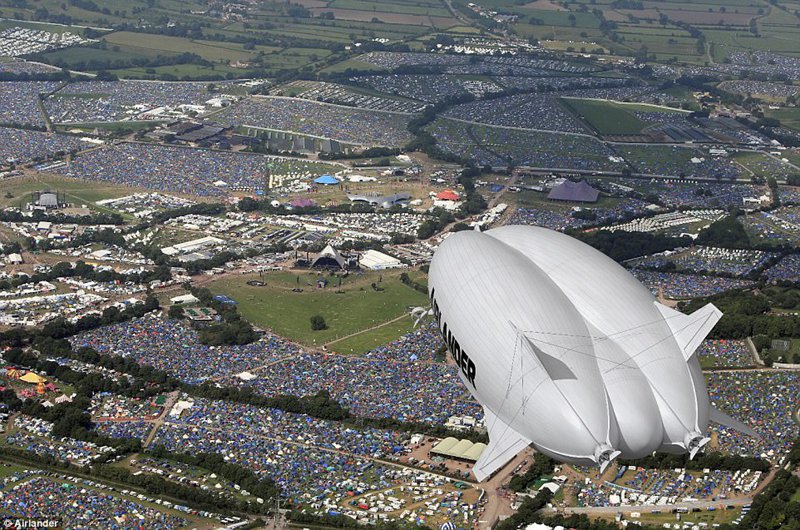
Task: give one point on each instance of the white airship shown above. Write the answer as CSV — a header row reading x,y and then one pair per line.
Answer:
x,y
567,351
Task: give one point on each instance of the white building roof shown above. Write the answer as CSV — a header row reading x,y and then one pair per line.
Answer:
x,y
184,299
374,260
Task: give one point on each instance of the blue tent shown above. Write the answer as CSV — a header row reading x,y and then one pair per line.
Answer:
x,y
326,180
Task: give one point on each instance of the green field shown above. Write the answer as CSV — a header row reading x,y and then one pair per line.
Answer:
x,y
369,340
762,165
652,31
357,308
612,117
77,191
788,116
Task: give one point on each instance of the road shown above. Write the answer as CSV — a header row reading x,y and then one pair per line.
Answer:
x,y
497,504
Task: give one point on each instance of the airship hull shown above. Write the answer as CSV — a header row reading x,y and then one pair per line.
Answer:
x,y
565,350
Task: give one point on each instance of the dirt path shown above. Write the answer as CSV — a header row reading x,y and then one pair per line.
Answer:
x,y
498,502
172,397
376,326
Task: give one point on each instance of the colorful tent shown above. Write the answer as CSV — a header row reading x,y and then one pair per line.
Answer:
x,y
447,195
326,180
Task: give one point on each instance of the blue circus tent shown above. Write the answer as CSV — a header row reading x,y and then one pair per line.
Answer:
x,y
326,180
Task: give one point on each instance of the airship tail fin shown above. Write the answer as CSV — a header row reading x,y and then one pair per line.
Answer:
x,y
690,330
555,367
504,444
720,417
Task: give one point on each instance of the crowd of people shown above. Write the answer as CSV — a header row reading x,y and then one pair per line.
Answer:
x,y
526,111
302,472
638,486
173,346
18,146
431,88
77,506
102,101
786,270
750,87
466,64
676,286
225,416
500,147
670,160
709,260
343,95
20,102
725,353
677,193
349,125
422,344
405,390
171,169
778,226
34,435
764,400
124,429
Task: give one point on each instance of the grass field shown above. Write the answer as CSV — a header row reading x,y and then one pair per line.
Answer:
x,y
77,191
369,340
788,116
611,117
357,308
717,516
653,29
163,44
762,165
